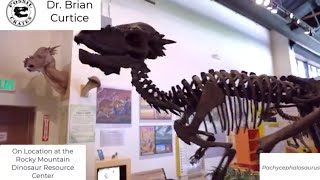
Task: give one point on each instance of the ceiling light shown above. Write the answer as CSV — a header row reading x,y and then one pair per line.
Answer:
x,y
259,2
308,32
298,21
267,3
291,16
274,9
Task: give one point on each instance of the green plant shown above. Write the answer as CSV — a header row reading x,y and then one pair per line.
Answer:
x,y
237,174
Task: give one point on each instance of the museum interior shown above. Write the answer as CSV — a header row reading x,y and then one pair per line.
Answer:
x,y
170,88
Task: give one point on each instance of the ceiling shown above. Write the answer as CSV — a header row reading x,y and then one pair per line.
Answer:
x,y
303,9
291,4
306,10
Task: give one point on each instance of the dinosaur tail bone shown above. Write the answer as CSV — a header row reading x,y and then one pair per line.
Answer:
x,y
268,142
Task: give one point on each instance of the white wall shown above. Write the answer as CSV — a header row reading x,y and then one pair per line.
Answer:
x,y
198,38
15,47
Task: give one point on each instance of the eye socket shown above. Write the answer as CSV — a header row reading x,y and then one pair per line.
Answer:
x,y
31,66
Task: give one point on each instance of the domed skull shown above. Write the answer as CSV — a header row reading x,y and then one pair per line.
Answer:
x,y
123,46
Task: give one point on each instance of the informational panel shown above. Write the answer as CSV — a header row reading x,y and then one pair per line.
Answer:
x,y
82,124
184,167
111,138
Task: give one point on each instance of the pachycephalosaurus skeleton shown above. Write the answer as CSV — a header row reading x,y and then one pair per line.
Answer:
x,y
234,95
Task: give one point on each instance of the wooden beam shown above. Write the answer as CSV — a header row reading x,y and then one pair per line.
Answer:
x,y
311,16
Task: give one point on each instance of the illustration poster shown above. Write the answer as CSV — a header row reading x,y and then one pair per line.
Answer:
x,y
155,140
147,140
163,139
148,113
113,106
82,125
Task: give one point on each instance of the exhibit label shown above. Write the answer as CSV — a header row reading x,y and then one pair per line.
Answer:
x,y
54,162
82,124
50,14
293,166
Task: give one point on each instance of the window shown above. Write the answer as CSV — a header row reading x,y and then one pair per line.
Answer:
x,y
313,71
301,69
307,70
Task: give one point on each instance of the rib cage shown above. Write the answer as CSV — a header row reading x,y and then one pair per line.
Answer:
x,y
244,93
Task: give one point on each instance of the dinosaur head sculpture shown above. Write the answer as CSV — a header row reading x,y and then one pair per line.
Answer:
x,y
43,61
123,46
40,59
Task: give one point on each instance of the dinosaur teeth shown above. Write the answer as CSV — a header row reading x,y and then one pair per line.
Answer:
x,y
171,110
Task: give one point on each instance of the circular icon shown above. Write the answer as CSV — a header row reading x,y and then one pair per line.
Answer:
x,y
21,13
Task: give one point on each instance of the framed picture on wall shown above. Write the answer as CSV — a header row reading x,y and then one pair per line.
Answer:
x,y
147,140
113,106
155,140
150,114
163,139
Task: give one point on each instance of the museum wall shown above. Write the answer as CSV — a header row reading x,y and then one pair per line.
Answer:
x,y
284,62
200,39
31,87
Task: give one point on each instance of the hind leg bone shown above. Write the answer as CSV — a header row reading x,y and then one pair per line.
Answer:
x,y
212,96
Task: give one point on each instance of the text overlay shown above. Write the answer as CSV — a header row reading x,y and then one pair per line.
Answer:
x,y
293,166
50,14
52,162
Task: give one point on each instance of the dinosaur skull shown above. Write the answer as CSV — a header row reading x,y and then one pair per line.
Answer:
x,y
310,88
40,59
123,46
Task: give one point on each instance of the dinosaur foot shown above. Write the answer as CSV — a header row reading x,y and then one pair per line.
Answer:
x,y
220,172
197,156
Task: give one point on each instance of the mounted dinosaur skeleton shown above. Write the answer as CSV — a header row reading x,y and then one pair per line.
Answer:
x,y
234,95
43,61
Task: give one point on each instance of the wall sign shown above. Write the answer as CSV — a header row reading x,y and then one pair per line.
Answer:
x,y
45,129
7,85
3,136
83,124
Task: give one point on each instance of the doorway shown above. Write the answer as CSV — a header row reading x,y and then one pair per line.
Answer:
x,y
16,125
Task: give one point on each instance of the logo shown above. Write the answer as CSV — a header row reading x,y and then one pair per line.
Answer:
x,y
21,13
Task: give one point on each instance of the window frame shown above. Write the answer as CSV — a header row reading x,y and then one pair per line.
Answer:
x,y
311,69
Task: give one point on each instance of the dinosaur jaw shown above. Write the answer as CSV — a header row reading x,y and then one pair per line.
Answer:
x,y
99,61
103,48
101,56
